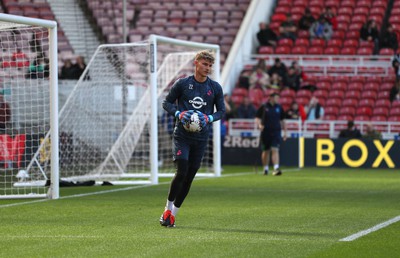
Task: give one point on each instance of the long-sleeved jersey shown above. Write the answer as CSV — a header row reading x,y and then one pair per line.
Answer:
x,y
189,94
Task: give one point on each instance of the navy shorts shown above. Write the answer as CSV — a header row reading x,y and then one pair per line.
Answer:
x,y
270,140
189,149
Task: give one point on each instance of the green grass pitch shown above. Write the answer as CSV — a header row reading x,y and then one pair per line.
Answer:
x,y
303,213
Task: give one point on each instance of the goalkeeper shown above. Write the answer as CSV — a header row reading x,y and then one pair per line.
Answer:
x,y
196,93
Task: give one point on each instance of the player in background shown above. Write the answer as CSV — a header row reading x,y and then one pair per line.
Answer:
x,y
196,93
270,120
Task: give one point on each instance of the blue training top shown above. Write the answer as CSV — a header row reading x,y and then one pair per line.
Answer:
x,y
271,116
189,94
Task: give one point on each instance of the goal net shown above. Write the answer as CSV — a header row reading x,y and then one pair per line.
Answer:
x,y
28,107
106,128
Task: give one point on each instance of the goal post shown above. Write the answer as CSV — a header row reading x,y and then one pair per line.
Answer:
x,y
113,127
29,87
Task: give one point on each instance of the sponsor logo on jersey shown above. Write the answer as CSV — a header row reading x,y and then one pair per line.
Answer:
x,y
197,102
178,153
190,86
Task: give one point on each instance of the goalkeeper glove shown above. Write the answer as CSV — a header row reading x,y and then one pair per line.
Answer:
x,y
184,116
204,119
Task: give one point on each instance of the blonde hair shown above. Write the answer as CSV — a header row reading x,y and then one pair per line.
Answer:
x,y
206,55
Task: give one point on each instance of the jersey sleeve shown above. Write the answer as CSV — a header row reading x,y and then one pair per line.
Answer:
x,y
169,103
282,113
259,112
219,104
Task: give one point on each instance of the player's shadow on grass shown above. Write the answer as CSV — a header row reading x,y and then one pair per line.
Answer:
x,y
263,232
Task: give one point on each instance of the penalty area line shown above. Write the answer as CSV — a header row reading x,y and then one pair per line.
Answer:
x,y
370,230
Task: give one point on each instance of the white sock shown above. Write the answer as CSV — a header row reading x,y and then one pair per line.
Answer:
x,y
266,168
174,210
169,205
276,166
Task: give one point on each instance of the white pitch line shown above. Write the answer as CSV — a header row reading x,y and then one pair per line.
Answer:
x,y
370,230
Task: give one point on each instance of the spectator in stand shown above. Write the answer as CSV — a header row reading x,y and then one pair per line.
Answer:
x,y
314,110
395,92
261,64
299,71
350,132
276,82
306,20
396,65
266,36
369,32
321,29
79,67
330,16
389,39
296,111
288,28
35,42
279,68
292,80
230,108
19,55
371,133
246,109
259,79
5,114
36,68
67,71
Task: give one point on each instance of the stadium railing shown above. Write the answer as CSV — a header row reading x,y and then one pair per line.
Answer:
x,y
311,129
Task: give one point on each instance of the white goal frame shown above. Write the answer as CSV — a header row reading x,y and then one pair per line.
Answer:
x,y
53,191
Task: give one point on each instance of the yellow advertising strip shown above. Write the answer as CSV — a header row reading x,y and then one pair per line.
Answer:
x,y
301,152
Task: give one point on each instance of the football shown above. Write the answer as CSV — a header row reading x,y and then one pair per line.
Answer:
x,y
194,124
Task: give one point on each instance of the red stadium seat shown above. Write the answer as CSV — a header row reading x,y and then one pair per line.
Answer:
x,y
336,94
237,99
323,85
331,51
386,52
299,50
365,51
364,111
321,94
282,50
333,102
288,93
378,119
355,26
353,34
347,111
345,117
373,86
238,91
368,94
302,42
303,93
337,43
340,85
303,34
357,79
338,34
318,42
353,94
350,43
315,50
349,103
265,50
350,51
363,118
355,86
366,3
395,111
366,103
331,110
343,19
385,103
380,111
383,95
285,42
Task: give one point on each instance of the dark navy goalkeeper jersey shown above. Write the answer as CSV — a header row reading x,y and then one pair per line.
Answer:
x,y
189,94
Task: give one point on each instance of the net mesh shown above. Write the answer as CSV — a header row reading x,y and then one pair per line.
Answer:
x,y
105,123
24,108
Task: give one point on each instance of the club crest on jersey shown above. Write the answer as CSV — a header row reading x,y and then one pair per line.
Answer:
x,y
209,92
197,102
190,86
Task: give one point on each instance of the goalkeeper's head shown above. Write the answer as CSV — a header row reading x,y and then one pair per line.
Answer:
x,y
205,55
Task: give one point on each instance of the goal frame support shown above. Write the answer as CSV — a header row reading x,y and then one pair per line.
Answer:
x,y
53,191
154,39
